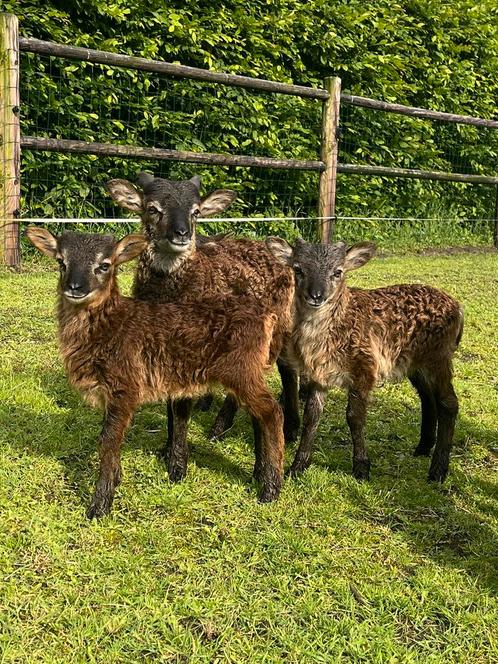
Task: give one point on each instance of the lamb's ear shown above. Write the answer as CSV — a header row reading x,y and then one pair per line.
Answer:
x,y
126,195
358,255
280,248
196,181
129,247
216,201
43,240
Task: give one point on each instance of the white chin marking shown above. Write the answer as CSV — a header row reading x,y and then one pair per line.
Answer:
x,y
78,300
179,248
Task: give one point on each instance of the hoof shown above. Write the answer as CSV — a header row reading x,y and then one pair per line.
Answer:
x,y
220,428
437,474
361,469
176,474
217,433
298,468
99,507
422,450
269,494
272,483
291,433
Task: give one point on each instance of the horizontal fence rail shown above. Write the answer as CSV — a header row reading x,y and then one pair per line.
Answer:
x,y
133,152
168,68
163,154
385,171
156,66
415,112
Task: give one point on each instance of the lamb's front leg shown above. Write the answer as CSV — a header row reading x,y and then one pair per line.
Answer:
x,y
315,400
356,415
118,415
178,447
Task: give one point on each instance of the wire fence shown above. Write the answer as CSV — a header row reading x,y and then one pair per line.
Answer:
x,y
391,181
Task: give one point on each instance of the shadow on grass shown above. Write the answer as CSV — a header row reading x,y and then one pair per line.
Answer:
x,y
449,524
71,436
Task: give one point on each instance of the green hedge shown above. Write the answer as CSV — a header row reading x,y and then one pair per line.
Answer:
x,y
419,52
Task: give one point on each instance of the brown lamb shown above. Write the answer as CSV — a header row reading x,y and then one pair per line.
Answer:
x,y
121,352
176,268
354,339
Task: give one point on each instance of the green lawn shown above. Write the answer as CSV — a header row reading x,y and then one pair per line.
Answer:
x,y
393,570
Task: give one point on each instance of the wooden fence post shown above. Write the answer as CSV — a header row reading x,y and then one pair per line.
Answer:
x,y
330,143
495,229
10,152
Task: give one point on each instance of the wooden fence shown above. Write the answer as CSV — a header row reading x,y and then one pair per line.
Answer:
x,y
12,143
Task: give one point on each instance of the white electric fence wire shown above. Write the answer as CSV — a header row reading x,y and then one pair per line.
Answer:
x,y
133,220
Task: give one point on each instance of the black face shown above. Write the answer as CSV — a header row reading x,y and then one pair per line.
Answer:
x,y
319,271
170,210
85,262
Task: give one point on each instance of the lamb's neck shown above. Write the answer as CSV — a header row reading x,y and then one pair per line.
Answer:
x,y
167,262
79,323
333,314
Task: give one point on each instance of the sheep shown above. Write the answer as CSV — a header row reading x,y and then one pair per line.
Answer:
x,y
121,352
354,338
174,268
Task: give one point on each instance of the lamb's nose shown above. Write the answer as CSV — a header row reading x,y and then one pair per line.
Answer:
x,y
316,295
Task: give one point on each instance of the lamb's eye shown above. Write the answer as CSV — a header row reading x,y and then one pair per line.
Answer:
x,y
297,270
152,209
103,267
62,265
338,274
196,213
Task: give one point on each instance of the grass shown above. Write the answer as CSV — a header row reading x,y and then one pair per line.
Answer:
x,y
393,570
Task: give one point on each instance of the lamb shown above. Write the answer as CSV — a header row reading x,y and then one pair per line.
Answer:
x,y
121,352
174,268
354,338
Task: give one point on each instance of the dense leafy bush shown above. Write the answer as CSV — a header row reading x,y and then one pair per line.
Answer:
x,y
418,52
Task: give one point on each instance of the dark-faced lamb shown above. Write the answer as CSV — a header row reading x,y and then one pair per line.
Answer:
x,y
354,338
121,352
176,268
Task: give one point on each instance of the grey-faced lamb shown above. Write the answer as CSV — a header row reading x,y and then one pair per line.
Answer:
x,y
354,339
121,352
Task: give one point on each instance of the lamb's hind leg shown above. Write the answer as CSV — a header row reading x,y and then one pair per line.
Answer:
x,y
258,447
118,415
447,411
204,403
315,399
290,400
429,414
224,419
